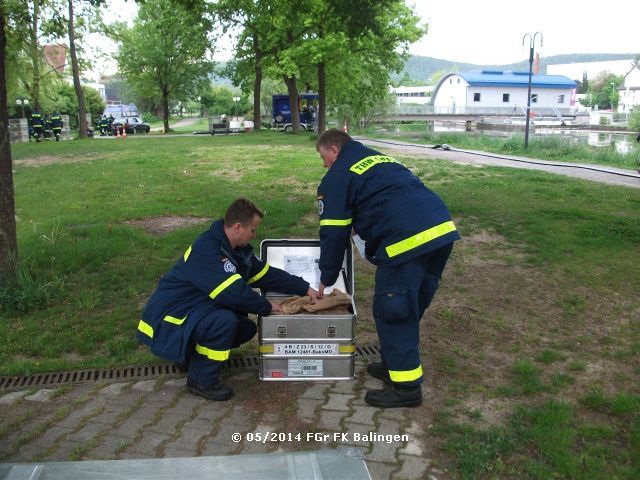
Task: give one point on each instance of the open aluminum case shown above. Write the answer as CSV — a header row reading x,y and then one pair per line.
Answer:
x,y
307,346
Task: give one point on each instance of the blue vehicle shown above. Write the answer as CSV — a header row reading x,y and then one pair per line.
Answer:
x,y
121,110
281,111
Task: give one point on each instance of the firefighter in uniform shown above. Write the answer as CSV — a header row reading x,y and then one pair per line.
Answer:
x,y
408,235
198,312
104,125
56,125
37,125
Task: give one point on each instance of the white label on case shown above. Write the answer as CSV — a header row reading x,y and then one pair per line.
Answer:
x,y
305,349
305,368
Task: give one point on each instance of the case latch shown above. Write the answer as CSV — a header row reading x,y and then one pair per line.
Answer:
x,y
331,331
281,330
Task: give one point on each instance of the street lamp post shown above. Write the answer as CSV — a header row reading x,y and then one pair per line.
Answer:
x,y
613,95
199,106
22,102
236,101
532,41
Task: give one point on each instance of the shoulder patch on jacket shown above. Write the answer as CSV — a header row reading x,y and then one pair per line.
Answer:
x,y
229,267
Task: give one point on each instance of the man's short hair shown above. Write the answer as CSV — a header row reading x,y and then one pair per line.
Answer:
x,y
241,211
333,136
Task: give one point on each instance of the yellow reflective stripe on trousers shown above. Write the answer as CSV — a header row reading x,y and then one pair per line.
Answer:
x,y
336,223
405,375
217,355
262,273
186,254
224,285
174,320
368,162
420,238
145,328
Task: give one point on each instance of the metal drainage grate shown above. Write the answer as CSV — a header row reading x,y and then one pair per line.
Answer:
x,y
120,374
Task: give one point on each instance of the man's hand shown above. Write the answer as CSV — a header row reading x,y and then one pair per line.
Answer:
x,y
320,290
275,307
313,294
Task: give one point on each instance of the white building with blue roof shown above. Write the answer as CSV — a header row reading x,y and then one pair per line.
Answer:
x,y
503,92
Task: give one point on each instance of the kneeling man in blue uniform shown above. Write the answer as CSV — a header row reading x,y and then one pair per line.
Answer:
x,y
198,312
408,235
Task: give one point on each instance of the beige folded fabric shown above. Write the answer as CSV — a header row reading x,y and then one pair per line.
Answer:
x,y
297,304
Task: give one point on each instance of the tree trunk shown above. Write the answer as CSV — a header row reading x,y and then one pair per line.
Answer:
x,y
8,238
82,112
322,100
292,89
165,110
257,86
35,57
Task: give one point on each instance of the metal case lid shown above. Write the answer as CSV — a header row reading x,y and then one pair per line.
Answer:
x,y
300,257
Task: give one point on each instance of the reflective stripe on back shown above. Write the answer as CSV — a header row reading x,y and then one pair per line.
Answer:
x,y
420,238
224,285
186,254
405,375
368,162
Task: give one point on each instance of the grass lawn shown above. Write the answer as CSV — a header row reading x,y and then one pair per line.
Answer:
x,y
531,348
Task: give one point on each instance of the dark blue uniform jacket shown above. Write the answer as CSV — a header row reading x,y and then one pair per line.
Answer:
x,y
387,205
209,276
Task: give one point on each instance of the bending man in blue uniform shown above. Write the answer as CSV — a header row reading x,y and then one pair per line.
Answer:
x,y
409,236
198,312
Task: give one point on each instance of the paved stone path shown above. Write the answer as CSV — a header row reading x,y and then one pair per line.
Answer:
x,y
595,173
159,418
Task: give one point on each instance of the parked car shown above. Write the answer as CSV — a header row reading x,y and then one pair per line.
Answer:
x,y
132,125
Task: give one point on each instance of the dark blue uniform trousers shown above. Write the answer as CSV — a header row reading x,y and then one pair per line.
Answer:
x,y
218,332
402,294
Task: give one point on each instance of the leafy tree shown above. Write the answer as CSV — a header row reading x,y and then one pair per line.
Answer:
x,y
377,41
253,51
65,101
603,91
13,16
166,52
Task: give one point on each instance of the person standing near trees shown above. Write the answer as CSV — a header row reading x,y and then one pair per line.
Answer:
x,y
56,125
37,125
408,234
198,312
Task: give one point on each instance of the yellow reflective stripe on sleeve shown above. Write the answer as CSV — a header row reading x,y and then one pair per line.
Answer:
x,y
420,238
368,162
174,320
336,223
262,273
405,375
145,328
224,285
217,355
186,254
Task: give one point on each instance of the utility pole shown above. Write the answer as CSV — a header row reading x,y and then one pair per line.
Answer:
x,y
532,41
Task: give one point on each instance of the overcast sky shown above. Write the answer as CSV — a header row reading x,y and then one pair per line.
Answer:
x,y
490,32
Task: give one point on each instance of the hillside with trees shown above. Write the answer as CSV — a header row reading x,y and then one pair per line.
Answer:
x,y
420,69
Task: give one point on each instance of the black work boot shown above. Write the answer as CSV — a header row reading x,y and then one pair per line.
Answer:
x,y
379,370
217,392
395,396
